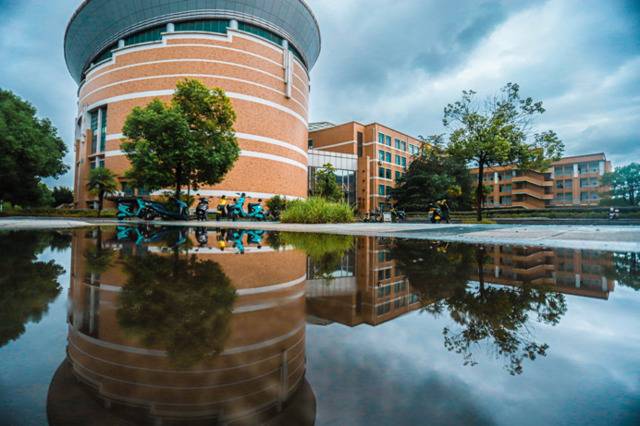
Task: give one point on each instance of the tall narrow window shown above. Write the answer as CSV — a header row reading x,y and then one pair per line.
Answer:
x,y
360,143
103,129
94,130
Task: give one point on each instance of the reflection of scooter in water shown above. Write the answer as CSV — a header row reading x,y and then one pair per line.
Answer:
x,y
222,239
237,237
202,236
255,237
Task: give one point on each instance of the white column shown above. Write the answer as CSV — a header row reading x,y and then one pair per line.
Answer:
x,y
577,280
171,27
495,177
121,43
575,170
601,168
233,24
605,284
287,57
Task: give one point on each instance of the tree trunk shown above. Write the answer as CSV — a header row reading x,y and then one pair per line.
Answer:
x,y
480,254
100,200
178,180
480,191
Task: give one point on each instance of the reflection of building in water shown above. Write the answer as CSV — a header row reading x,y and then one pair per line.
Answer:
x,y
578,272
259,375
368,288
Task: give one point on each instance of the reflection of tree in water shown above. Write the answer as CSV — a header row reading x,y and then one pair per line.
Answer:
x,y
27,286
500,315
98,257
626,269
178,303
326,251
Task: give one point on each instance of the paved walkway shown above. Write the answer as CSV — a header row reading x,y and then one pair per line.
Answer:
x,y
609,238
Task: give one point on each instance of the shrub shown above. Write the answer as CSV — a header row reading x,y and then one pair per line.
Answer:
x,y
277,205
106,213
317,210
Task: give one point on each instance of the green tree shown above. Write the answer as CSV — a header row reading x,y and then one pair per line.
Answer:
x,y
30,150
27,285
624,183
433,175
326,183
498,132
102,182
189,142
178,303
62,195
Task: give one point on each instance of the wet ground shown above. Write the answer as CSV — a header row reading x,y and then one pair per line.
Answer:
x,y
153,325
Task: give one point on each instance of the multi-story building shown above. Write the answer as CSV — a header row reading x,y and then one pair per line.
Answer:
x,y
123,54
570,181
381,153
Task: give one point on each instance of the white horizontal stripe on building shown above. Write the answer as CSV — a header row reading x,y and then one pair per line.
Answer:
x,y
271,157
270,288
233,193
243,153
169,92
246,136
221,77
334,145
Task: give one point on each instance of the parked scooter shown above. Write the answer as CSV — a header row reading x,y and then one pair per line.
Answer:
x,y
435,214
136,209
256,211
202,209
398,215
614,213
236,210
180,210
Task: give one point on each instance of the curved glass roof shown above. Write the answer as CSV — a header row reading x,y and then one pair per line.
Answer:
x,y
97,24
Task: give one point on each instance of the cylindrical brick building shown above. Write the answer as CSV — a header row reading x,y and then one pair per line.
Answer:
x,y
124,53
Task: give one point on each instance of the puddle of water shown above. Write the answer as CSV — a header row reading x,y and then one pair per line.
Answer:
x,y
135,325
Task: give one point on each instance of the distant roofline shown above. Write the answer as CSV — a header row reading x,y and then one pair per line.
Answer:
x,y
584,155
364,125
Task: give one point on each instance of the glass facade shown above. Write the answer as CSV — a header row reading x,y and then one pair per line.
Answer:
x,y
208,25
103,129
153,34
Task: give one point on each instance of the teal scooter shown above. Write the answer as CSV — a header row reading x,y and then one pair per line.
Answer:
x,y
180,210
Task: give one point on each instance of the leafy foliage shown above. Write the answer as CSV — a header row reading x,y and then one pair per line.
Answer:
x,y
102,182
62,195
433,176
277,205
178,303
188,142
30,150
326,185
626,269
317,210
27,285
624,183
498,132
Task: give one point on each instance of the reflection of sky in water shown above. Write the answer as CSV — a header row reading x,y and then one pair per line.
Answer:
x,y
399,372
28,364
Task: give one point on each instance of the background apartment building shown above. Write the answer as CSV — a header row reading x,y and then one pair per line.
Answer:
x,y
571,181
378,156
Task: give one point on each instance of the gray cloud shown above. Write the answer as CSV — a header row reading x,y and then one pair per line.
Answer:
x,y
399,63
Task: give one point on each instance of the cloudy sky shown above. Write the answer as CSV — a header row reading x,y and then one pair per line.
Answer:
x,y
400,62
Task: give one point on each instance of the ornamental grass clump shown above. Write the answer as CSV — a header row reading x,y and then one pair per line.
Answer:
x,y
317,210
